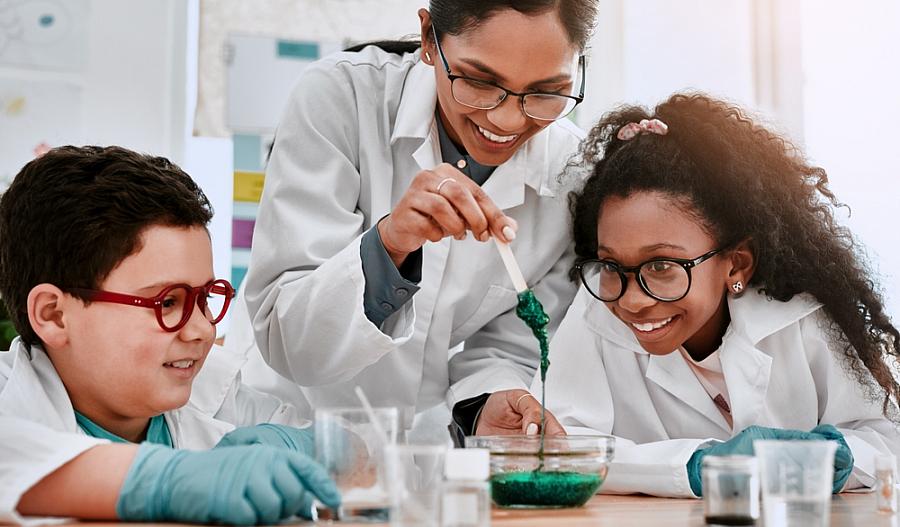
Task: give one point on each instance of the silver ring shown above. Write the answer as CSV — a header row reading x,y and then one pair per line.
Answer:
x,y
519,400
443,181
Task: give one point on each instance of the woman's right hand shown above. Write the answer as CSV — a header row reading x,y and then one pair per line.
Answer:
x,y
439,203
515,412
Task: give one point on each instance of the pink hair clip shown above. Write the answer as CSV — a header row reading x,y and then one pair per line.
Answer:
x,y
646,126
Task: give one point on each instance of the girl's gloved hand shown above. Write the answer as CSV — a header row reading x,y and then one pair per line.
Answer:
x,y
240,485
297,439
843,457
742,444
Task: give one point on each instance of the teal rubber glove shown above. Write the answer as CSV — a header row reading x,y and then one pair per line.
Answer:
x,y
843,457
240,485
741,444
297,439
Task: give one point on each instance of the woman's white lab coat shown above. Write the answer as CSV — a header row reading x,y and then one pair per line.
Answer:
x,y
357,129
781,370
38,432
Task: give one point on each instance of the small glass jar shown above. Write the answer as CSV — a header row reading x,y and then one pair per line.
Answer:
x,y
730,490
885,480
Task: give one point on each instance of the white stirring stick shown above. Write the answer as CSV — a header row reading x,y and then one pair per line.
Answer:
x,y
379,430
512,267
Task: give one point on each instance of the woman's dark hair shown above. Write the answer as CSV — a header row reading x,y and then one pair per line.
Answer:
x,y
744,182
453,17
72,215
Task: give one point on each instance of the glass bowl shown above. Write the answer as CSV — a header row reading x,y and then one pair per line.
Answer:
x,y
570,472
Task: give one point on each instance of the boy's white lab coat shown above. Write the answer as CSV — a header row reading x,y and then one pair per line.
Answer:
x,y
780,367
356,131
38,432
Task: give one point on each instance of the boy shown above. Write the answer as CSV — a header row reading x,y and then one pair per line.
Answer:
x,y
106,271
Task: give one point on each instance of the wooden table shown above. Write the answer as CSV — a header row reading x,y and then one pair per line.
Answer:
x,y
603,510
846,510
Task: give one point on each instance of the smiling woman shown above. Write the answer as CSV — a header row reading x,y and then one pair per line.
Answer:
x,y
389,171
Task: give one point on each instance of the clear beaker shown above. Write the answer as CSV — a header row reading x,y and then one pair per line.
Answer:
x,y
351,448
796,479
414,476
730,490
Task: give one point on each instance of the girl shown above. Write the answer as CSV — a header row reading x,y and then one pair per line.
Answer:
x,y
389,173
721,303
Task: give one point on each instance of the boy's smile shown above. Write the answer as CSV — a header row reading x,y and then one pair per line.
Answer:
x,y
648,225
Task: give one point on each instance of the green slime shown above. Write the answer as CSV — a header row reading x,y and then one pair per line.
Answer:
x,y
538,488
532,313
543,489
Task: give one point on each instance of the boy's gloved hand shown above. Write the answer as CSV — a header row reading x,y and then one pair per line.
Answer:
x,y
241,485
843,457
297,439
741,444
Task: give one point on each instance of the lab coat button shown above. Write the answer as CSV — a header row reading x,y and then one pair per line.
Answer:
x,y
386,306
402,292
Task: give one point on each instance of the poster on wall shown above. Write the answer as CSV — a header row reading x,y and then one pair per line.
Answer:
x,y
44,34
261,72
34,117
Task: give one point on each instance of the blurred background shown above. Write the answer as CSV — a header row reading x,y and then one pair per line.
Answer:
x,y
204,81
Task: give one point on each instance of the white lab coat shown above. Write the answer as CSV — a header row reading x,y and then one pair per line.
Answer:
x,y
38,432
357,129
780,369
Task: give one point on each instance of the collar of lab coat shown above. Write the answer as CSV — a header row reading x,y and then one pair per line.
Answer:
x,y
746,368
34,390
530,165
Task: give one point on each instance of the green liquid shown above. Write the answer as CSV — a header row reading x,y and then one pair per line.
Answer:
x,y
543,489
532,313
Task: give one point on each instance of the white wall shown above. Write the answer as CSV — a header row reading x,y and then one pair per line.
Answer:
x,y
644,50
851,100
131,76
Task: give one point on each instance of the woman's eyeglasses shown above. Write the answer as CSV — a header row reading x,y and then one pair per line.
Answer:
x,y
174,305
483,95
665,279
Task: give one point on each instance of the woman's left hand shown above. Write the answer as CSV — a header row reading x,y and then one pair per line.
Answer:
x,y
514,412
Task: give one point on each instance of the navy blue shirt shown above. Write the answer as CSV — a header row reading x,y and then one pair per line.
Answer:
x,y
388,288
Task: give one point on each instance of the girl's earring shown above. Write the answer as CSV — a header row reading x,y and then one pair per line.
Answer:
x,y
427,56
737,287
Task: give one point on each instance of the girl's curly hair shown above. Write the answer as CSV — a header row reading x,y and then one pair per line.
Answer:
x,y
743,181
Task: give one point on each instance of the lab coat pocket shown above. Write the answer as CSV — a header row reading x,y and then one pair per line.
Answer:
x,y
497,301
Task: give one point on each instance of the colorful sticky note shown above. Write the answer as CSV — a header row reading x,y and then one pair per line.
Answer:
x,y
248,186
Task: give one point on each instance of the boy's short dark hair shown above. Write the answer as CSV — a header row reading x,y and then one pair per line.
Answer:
x,y
70,216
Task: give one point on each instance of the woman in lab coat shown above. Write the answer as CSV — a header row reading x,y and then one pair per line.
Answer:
x,y
372,263
774,332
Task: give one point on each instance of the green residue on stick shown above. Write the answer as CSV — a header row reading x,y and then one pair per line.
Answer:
x,y
532,313
543,489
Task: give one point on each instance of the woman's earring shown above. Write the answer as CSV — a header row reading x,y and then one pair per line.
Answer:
x,y
737,287
427,56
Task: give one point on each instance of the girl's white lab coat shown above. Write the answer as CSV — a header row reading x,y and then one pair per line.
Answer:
x,y
38,432
357,130
781,370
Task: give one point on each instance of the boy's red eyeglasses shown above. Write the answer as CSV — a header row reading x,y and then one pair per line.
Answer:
x,y
174,305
